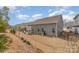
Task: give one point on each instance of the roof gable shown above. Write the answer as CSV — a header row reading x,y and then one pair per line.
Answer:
x,y
76,16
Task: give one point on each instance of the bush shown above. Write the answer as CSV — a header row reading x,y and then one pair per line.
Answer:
x,y
12,31
30,32
22,38
24,41
27,42
3,41
1,29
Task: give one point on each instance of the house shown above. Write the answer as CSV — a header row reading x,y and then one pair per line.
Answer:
x,y
21,27
47,26
69,25
76,24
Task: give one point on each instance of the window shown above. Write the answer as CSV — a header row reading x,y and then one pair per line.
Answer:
x,y
53,30
44,32
76,32
38,30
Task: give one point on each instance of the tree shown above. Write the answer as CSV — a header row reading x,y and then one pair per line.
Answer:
x,y
4,18
4,12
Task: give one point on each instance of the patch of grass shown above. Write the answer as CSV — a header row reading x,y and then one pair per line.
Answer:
x,y
3,41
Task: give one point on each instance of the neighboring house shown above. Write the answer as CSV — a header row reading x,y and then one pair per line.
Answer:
x,y
69,25
22,27
47,26
76,24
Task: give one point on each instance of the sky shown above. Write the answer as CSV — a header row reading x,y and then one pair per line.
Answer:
x,y
25,14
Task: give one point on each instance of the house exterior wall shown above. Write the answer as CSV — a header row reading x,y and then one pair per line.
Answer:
x,y
76,22
77,19
50,29
74,29
60,26
77,29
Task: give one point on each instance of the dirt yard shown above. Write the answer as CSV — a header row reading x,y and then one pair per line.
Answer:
x,y
17,46
39,44
49,44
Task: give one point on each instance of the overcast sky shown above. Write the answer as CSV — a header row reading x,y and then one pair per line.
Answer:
x,y
23,14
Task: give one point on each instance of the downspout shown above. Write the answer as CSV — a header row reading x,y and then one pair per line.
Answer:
x,y
56,31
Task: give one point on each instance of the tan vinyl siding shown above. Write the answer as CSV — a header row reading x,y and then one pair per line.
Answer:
x,y
47,28
60,26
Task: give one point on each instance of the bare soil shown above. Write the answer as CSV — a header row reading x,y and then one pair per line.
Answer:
x,y
17,46
51,44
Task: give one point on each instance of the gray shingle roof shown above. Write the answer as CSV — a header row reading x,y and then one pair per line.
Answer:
x,y
53,19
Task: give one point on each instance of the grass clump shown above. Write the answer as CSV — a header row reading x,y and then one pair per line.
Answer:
x,y
22,38
25,41
3,41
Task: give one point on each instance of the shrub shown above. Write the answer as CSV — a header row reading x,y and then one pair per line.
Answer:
x,y
27,42
22,38
24,41
30,32
12,31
